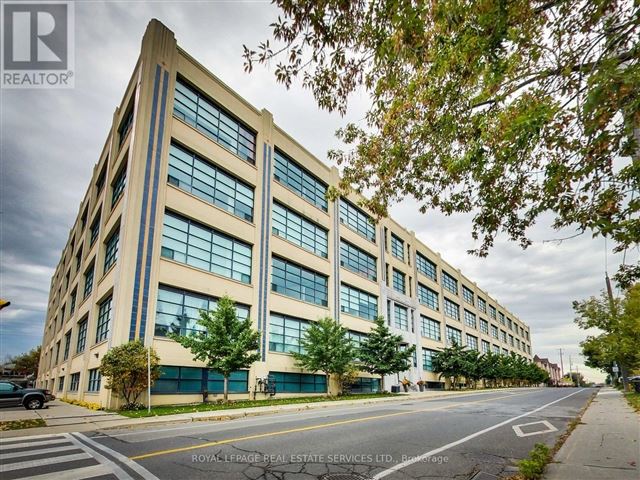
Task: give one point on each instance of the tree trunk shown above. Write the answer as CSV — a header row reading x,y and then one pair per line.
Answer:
x,y
381,383
226,389
327,384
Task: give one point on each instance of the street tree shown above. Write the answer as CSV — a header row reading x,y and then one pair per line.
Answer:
x,y
381,353
619,323
225,343
325,348
503,109
126,368
451,363
27,363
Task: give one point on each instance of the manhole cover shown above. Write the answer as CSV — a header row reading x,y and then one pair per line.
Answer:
x,y
342,476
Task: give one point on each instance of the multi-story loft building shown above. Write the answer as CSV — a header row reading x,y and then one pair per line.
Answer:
x,y
198,194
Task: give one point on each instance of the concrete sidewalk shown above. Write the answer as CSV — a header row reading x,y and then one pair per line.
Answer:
x,y
95,420
606,444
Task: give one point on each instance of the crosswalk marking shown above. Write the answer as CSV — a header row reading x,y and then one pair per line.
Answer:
x,y
73,474
27,453
41,462
70,455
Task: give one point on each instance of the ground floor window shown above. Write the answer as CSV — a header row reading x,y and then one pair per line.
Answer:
x,y
299,382
75,382
196,380
365,385
94,380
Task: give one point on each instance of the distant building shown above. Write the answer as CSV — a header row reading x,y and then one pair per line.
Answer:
x,y
555,376
198,194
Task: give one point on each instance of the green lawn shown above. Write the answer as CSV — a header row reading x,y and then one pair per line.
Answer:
x,y
20,424
213,406
634,400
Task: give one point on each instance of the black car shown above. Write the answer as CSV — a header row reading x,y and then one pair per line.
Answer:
x,y
12,395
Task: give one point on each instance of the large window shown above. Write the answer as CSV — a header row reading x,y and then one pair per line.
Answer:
x,y
492,312
430,328
503,336
472,342
427,359
356,219
467,295
178,311
454,335
365,385
82,336
470,319
494,331
449,283
400,317
486,347
94,380
111,250
428,297
195,380
397,247
298,282
197,176
67,345
298,230
197,245
358,302
357,260
399,283
94,230
451,309
356,337
117,188
484,326
426,267
72,303
482,305
299,382
125,126
285,333
104,320
74,382
305,184
214,122
501,318
88,280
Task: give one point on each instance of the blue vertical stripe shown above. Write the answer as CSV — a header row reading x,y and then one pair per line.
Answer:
x,y
143,213
154,201
267,239
262,245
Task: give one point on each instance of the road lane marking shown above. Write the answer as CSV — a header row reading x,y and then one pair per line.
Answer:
x,y
73,474
311,427
115,469
7,467
425,456
548,428
143,472
314,411
10,455
16,446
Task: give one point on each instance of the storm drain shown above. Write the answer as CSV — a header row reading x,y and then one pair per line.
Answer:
x,y
342,476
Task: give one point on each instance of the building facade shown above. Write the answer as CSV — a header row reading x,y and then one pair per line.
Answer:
x,y
555,376
198,194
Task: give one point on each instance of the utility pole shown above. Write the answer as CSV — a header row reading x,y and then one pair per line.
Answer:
x,y
571,370
561,365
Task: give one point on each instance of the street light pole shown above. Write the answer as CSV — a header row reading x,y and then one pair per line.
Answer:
x,y
149,380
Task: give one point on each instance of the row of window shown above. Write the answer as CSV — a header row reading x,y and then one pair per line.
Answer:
x,y
93,382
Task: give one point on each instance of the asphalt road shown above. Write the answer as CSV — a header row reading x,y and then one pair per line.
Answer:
x,y
478,436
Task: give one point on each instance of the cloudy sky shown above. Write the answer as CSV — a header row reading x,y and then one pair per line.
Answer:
x,y
50,140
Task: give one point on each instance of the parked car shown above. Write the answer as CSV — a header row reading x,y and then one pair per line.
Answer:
x,y
12,395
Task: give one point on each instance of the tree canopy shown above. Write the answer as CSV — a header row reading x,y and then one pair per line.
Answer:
x,y
380,352
619,324
27,363
507,110
126,369
225,342
326,348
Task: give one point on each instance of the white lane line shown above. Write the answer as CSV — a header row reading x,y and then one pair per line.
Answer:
x,y
34,438
7,456
73,474
325,411
13,446
115,469
425,456
43,461
143,472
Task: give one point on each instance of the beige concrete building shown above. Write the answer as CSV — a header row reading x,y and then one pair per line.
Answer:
x,y
198,194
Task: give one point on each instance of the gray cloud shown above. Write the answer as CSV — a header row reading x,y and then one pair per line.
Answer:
x,y
51,140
